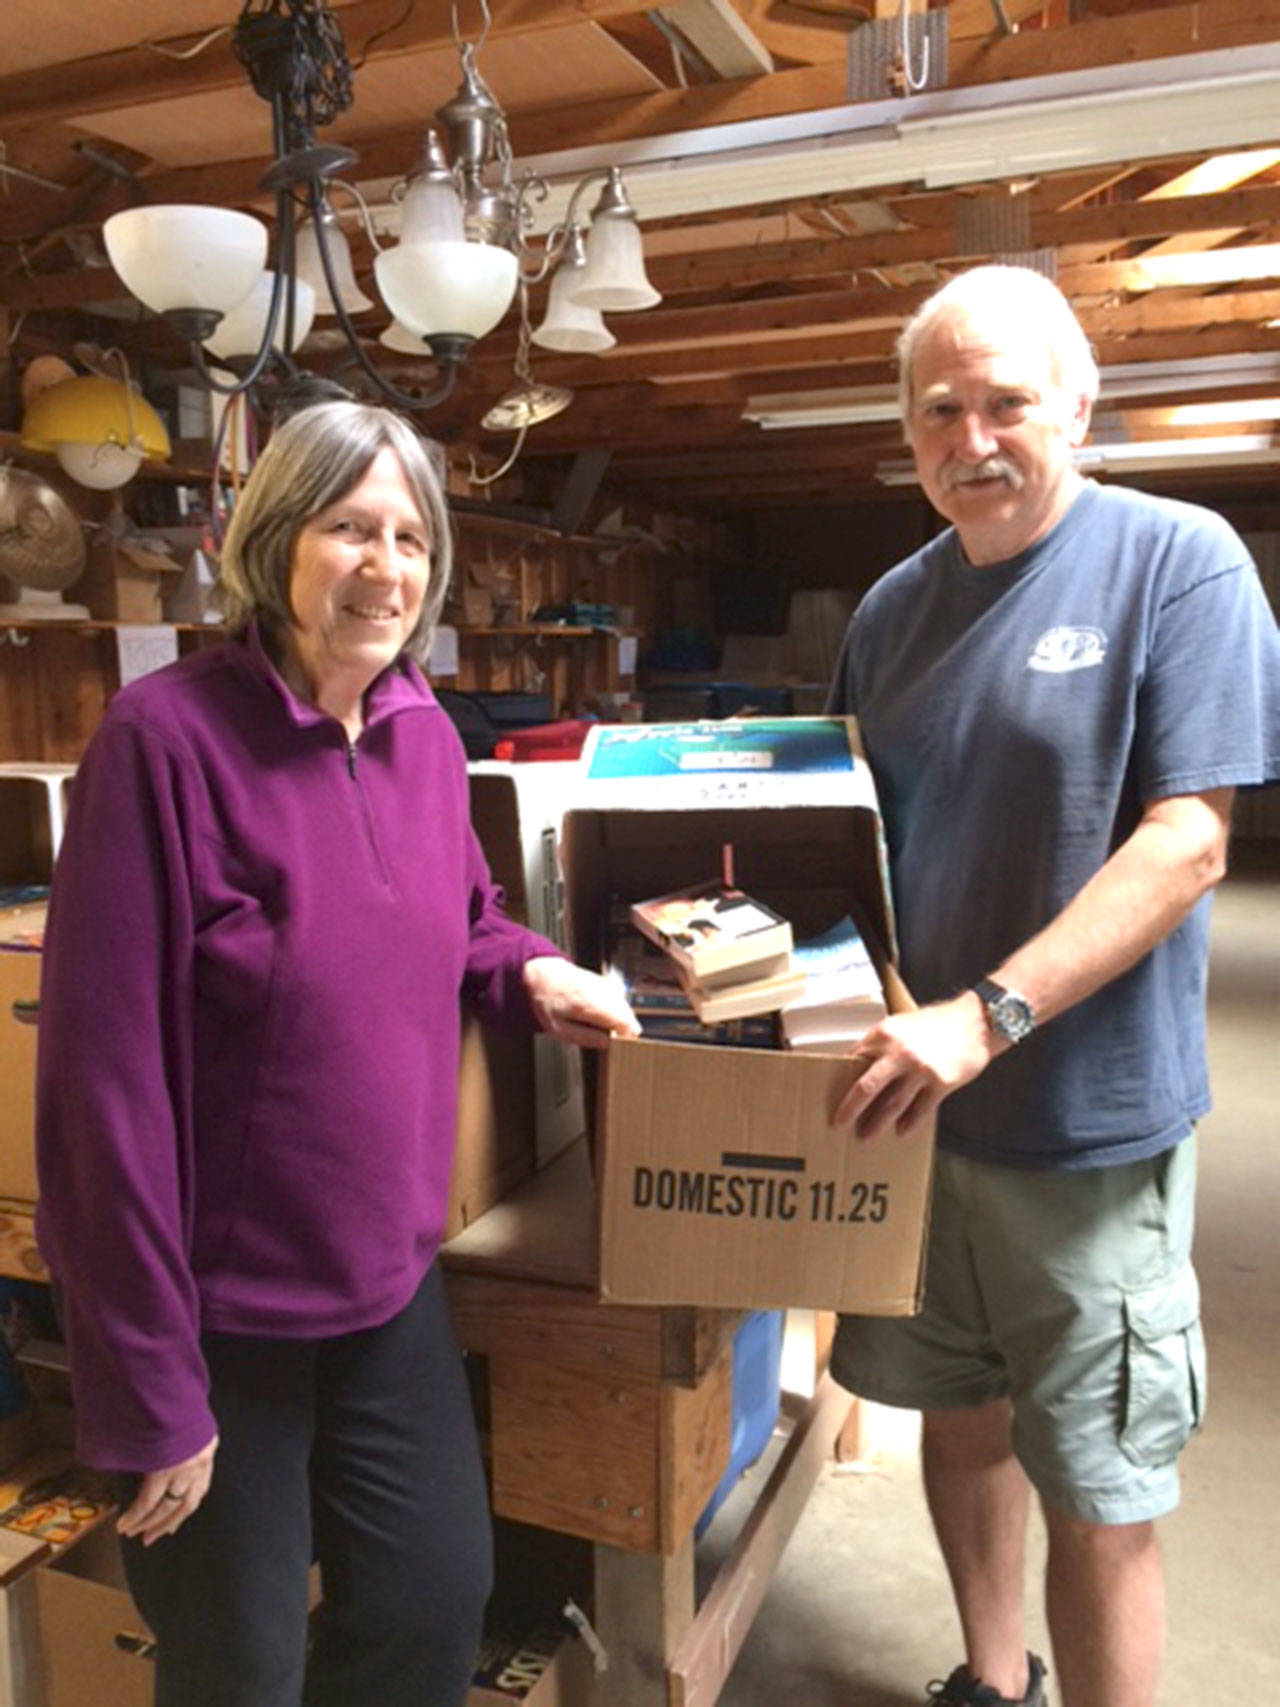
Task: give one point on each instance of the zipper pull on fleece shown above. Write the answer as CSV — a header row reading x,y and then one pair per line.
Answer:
x,y
351,758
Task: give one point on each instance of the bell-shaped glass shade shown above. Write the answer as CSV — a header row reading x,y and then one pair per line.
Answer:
x,y
180,256
614,280
432,212
566,325
239,333
434,289
309,267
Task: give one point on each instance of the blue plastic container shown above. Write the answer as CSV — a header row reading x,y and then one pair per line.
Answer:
x,y
756,1389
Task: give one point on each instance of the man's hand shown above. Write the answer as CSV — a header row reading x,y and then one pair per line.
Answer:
x,y
576,1006
912,1061
167,1498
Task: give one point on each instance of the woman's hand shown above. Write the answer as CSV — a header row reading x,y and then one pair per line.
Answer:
x,y
167,1498
576,1006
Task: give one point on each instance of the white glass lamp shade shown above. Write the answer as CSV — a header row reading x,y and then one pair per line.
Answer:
x,y
402,340
614,280
102,467
239,333
567,325
181,256
432,213
309,268
434,289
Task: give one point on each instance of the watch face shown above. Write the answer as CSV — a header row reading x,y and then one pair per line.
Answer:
x,y
1012,1017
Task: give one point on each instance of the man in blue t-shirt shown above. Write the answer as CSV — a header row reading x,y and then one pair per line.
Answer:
x,y
1058,696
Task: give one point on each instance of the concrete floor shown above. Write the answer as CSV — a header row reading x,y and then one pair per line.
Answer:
x,y
859,1613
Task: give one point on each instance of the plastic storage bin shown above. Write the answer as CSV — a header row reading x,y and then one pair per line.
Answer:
x,y
756,1389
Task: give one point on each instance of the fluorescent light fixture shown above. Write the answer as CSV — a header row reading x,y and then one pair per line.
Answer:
x,y
855,406
1238,450
1232,451
861,405
1208,101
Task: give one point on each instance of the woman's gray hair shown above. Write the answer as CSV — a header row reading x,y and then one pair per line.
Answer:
x,y
311,461
1016,296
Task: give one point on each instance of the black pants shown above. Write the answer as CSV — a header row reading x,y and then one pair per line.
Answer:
x,y
359,1451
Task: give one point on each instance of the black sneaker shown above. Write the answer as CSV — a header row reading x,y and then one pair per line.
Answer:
x,y
962,1689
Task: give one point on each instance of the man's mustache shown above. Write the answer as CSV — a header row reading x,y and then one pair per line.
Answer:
x,y
990,468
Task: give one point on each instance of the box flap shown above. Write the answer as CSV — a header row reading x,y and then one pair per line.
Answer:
x,y
737,763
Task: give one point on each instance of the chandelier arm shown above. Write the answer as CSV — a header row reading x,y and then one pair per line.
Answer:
x,y
366,218
597,174
447,361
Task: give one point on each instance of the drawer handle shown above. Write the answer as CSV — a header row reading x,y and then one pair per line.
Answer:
x,y
26,1012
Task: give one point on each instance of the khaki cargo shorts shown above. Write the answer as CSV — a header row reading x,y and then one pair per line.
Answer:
x,y
1073,1295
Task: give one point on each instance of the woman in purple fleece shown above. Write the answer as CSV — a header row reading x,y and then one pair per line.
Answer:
x,y
267,910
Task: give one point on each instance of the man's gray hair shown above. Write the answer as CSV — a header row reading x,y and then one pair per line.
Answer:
x,y
311,461
1016,296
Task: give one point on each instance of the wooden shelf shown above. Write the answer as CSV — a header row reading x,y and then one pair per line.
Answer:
x,y
89,624
164,472
538,630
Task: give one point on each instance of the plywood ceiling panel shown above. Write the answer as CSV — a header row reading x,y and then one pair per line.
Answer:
x,y
580,62
48,32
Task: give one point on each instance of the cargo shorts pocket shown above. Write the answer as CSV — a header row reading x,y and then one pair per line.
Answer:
x,y
1165,1368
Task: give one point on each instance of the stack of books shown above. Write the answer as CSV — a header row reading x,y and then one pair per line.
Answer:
x,y
651,984
842,995
731,954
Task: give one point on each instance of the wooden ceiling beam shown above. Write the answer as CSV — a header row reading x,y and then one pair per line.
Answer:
x,y
720,35
1111,222
1164,312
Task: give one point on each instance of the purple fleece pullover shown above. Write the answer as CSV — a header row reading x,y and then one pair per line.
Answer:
x,y
248,1044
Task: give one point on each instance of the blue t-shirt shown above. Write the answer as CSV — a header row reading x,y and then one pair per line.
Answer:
x,y
1017,717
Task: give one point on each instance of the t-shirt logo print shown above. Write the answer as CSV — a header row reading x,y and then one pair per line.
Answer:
x,y
1061,649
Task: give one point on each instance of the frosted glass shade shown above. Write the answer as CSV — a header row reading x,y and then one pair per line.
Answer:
x,y
239,333
310,268
462,289
181,256
614,280
102,467
402,340
432,213
567,325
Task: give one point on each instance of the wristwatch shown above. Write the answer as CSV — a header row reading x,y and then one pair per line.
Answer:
x,y
1008,1014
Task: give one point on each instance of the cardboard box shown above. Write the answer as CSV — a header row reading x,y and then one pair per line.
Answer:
x,y
495,1145
721,1179
19,992
33,810
517,811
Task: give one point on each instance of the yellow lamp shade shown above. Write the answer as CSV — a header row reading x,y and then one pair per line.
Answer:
x,y
99,429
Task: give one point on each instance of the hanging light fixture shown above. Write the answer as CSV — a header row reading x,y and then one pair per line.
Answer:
x,y
463,248
101,430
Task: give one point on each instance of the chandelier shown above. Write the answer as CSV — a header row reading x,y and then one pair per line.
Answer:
x,y
464,245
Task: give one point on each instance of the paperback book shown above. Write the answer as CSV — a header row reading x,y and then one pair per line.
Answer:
x,y
748,997
715,932
842,994
651,984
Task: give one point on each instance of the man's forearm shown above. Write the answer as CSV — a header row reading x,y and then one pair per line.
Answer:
x,y
1144,891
